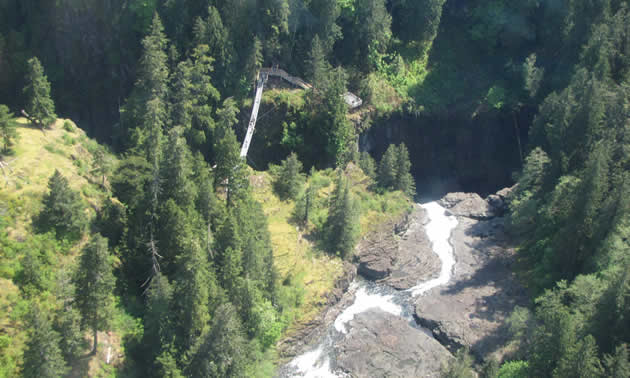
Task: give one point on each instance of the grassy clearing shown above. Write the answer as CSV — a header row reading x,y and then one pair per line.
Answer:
x,y
35,158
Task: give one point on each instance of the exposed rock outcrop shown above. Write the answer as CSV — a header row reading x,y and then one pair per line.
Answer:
x,y
383,345
399,255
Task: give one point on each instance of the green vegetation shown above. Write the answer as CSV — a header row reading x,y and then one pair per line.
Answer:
x,y
204,264
8,129
37,91
62,209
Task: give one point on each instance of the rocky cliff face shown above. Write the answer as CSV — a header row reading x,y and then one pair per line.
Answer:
x,y
454,152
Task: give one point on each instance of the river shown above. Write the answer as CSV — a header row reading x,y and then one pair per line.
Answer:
x,y
319,361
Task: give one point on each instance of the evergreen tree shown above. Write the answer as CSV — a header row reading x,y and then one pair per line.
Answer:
x,y
211,32
228,245
230,172
367,165
372,32
304,206
8,129
37,91
95,286
42,356
167,365
617,365
195,287
404,180
177,172
326,12
290,179
194,97
342,225
158,327
257,253
317,64
62,208
254,61
68,319
145,111
224,351
388,168
102,164
532,75
417,20
581,360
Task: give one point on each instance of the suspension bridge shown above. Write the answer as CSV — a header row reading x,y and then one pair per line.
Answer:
x,y
351,99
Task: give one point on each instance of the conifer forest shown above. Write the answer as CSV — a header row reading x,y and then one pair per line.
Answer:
x,y
216,188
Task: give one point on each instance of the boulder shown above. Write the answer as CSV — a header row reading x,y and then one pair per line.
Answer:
x,y
469,205
379,344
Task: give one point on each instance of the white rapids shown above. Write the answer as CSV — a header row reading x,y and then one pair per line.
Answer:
x,y
438,231
317,362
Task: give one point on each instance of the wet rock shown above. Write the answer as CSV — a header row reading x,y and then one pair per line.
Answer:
x,y
383,345
399,260
470,310
415,260
468,205
376,254
342,284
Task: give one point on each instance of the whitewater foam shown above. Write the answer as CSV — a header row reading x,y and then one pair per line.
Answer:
x,y
438,231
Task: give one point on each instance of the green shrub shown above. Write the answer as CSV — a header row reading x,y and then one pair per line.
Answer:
x,y
67,125
68,140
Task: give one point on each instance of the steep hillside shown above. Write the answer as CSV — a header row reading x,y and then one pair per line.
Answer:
x,y
34,159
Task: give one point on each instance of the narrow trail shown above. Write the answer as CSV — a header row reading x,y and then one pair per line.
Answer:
x,y
319,361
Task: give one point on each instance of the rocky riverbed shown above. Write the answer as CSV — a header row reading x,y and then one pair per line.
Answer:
x,y
427,296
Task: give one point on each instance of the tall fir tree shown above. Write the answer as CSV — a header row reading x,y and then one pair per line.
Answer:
x,y
42,356
304,206
158,317
62,209
290,179
372,32
230,172
367,164
146,112
195,287
317,64
95,286
617,365
40,105
68,319
342,225
388,168
404,179
176,175
8,129
224,351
